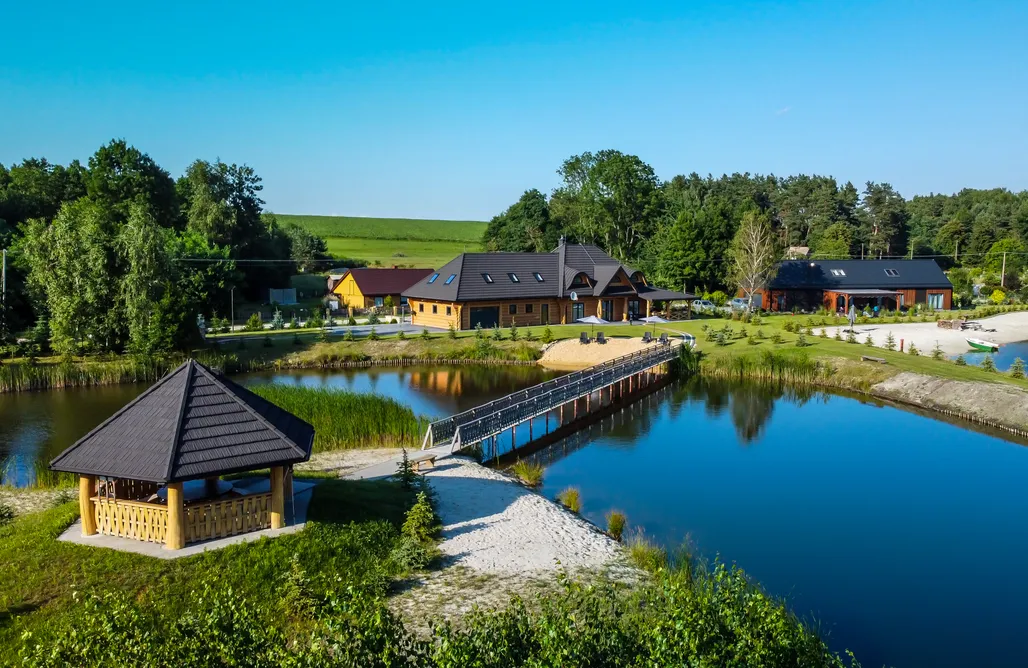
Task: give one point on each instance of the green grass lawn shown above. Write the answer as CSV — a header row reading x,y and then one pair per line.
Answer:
x,y
413,253
405,229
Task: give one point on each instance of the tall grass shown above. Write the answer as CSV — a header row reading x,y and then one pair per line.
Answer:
x,y
769,365
40,477
348,420
616,521
570,498
646,554
529,473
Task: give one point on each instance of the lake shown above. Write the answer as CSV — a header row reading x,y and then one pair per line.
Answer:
x,y
903,535
1003,357
36,426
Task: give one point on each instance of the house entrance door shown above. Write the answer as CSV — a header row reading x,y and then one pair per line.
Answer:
x,y
544,314
608,310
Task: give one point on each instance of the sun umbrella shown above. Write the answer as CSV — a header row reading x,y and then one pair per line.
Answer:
x,y
655,319
593,320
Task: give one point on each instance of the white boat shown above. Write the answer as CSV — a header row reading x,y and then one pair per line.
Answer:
x,y
983,345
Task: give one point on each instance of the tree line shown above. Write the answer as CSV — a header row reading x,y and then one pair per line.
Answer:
x,y
681,232
117,255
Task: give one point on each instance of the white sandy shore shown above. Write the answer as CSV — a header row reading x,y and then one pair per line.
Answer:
x,y
1009,328
494,525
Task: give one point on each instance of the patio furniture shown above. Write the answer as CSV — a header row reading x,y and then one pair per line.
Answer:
x,y
417,461
664,340
647,337
583,337
600,338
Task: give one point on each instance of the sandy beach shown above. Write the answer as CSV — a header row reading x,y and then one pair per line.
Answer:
x,y
570,354
1009,328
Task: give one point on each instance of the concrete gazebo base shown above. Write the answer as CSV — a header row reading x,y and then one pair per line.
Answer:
x,y
295,511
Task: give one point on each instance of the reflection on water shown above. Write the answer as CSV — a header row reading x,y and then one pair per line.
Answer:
x,y
891,528
36,426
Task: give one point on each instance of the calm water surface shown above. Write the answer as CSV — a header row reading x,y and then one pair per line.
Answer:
x,y
905,536
1002,358
36,426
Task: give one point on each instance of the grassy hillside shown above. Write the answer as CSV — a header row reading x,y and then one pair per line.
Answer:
x,y
388,252
405,229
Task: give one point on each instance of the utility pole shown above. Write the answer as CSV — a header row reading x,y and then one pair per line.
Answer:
x,y
232,309
861,250
956,252
1003,271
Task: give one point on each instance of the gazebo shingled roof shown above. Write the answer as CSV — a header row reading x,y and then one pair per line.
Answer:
x,y
191,424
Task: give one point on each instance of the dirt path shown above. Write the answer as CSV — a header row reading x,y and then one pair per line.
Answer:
x,y
570,354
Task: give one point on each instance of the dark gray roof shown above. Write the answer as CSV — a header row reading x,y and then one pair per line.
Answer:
x,y
557,269
851,274
191,424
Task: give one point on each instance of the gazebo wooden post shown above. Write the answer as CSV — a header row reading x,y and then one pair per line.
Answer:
x,y
176,537
278,510
87,485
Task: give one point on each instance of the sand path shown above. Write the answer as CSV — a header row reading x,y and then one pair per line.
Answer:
x,y
570,354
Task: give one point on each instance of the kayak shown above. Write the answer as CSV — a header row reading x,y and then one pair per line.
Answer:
x,y
980,344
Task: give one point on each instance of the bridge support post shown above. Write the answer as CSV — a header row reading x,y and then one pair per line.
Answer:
x,y
576,410
530,421
562,415
588,402
513,437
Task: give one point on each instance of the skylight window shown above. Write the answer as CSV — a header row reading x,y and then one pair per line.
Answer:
x,y
892,272
514,277
488,278
538,276
432,280
450,279
835,272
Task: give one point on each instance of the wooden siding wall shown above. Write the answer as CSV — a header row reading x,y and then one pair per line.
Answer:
x,y
560,311
829,297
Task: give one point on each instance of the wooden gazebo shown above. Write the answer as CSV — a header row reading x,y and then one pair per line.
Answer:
x,y
152,471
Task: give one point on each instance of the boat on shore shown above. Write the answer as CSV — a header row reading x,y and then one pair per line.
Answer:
x,y
983,345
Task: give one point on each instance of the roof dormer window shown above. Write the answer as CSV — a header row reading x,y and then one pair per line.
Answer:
x,y
514,277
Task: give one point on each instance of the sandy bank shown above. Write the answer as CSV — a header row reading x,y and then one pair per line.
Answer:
x,y
1010,327
998,404
570,354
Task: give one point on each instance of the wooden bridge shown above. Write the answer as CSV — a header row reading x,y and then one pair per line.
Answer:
x,y
620,376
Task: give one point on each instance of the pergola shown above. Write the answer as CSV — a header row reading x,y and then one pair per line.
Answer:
x,y
152,471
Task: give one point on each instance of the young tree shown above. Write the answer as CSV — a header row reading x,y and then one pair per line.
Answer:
x,y
524,227
833,243
308,250
143,245
755,254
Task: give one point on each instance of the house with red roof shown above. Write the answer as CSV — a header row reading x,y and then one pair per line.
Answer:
x,y
368,287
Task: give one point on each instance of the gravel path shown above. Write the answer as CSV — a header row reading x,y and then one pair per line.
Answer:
x,y
1010,327
570,354
494,525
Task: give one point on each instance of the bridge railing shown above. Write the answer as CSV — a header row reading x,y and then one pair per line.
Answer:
x,y
509,416
480,423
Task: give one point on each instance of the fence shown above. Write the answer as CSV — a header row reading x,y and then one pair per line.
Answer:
x,y
218,519
131,519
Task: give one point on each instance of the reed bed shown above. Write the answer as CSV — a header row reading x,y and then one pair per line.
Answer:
x,y
39,477
348,420
769,365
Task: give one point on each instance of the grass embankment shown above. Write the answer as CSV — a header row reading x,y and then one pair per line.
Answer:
x,y
389,241
346,420
318,598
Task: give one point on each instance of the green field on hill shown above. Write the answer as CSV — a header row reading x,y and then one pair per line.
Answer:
x,y
393,241
404,229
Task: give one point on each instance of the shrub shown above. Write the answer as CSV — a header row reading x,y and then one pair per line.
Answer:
x,y
1017,368
646,554
529,334
373,335
529,473
405,472
420,522
400,335
571,499
869,342
323,336
776,338
277,322
410,554
851,337
998,297
988,364
838,334
960,361
6,514
497,335
478,330
392,321
913,349
755,319
616,521
547,335
801,341
351,322
348,336
937,353
751,341
425,336
787,326
513,331
890,342
823,334
315,321
373,318
719,298
253,323
451,331
760,334
292,322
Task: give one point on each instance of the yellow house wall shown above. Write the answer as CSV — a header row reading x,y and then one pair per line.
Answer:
x,y
560,311
349,293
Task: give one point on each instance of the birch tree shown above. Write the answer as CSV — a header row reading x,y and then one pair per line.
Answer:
x,y
755,255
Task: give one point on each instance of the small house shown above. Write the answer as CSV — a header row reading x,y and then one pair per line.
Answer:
x,y
152,471
367,287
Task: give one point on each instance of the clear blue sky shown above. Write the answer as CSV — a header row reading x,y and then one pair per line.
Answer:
x,y
397,109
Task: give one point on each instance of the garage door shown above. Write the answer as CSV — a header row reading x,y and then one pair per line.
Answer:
x,y
487,317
